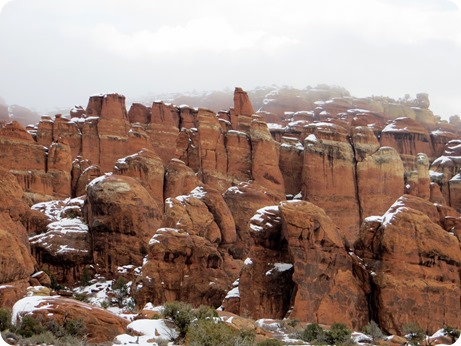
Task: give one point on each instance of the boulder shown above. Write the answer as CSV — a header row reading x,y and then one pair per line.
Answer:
x,y
99,325
414,265
121,216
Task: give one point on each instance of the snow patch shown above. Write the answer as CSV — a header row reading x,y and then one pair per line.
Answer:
x,y
279,267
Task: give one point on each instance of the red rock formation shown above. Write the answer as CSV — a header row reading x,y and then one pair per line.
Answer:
x,y
183,266
213,155
243,201
409,138
139,113
291,164
147,167
238,147
121,216
329,176
179,179
100,325
163,130
414,264
62,247
242,103
17,262
299,260
380,181
265,159
112,127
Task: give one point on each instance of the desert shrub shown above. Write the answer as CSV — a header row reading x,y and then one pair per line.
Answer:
x,y
181,315
120,290
85,278
337,334
211,333
245,338
5,319
105,303
372,329
270,342
75,327
312,332
82,297
413,333
36,330
204,312
30,326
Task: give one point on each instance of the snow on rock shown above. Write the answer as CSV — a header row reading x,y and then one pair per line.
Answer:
x,y
248,261
233,293
125,339
264,218
58,209
156,329
26,306
279,267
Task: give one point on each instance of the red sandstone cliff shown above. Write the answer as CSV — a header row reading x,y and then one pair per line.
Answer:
x,y
298,205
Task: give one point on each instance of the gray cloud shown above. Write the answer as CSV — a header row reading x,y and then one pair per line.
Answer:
x,y
57,53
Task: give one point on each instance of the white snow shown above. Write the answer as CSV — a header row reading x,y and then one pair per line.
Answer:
x,y
98,180
156,329
235,190
373,218
198,192
279,267
248,261
265,217
312,138
28,305
233,293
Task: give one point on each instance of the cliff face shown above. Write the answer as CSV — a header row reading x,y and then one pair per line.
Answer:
x,y
299,206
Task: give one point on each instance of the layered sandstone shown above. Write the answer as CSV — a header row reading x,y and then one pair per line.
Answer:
x,y
121,216
328,178
407,251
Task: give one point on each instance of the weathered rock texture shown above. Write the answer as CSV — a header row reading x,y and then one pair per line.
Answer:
x,y
100,325
122,216
299,261
191,200
407,251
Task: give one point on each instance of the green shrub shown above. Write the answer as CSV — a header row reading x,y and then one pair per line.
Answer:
x,y
82,297
413,333
30,326
372,329
204,312
75,327
270,342
85,278
211,333
337,334
245,338
120,290
312,332
5,319
181,315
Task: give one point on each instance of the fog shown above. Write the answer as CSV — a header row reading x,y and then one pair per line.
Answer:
x,y
58,53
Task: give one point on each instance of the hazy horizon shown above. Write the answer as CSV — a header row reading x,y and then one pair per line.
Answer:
x,y
57,54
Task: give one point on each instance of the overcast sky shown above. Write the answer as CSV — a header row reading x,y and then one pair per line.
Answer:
x,y
55,53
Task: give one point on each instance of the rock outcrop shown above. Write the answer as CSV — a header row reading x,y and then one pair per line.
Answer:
x,y
100,325
414,266
299,262
121,216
